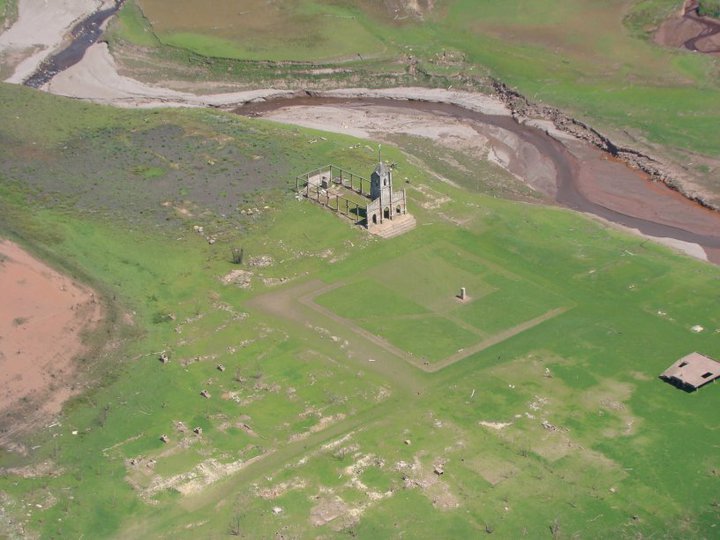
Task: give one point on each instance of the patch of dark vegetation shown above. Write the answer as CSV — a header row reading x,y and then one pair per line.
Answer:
x,y
709,8
158,174
644,17
162,317
8,13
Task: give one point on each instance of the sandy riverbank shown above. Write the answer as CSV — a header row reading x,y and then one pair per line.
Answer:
x,y
41,28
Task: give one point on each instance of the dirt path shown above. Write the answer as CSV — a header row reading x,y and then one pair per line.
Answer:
x,y
396,363
494,340
42,317
295,304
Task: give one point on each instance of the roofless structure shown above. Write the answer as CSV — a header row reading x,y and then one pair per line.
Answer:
x,y
692,371
373,204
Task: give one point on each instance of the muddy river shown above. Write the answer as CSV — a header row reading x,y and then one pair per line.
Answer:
x,y
83,35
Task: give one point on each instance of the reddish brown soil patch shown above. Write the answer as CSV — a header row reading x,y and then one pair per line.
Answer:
x,y
691,31
42,316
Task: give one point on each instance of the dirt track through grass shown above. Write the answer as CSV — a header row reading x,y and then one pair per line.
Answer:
x,y
316,289
295,304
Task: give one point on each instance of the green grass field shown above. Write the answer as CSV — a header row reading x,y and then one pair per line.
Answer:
x,y
314,429
306,30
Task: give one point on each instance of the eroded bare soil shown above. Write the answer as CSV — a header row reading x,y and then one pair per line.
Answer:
x,y
43,315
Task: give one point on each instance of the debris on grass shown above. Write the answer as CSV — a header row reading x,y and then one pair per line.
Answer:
x,y
495,425
241,278
261,261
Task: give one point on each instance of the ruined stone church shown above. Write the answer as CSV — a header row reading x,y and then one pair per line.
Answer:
x,y
384,214
385,203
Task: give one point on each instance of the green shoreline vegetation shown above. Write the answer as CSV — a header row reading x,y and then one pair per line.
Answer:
x,y
8,12
560,429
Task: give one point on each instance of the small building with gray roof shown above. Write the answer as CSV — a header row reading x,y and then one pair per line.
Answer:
x,y
692,371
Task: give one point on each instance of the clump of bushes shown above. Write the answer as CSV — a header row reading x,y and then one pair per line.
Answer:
x,y
709,8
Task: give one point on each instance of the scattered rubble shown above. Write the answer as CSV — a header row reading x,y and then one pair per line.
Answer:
x,y
241,278
495,425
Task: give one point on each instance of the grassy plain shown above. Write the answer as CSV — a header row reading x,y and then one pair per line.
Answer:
x,y
258,30
314,429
